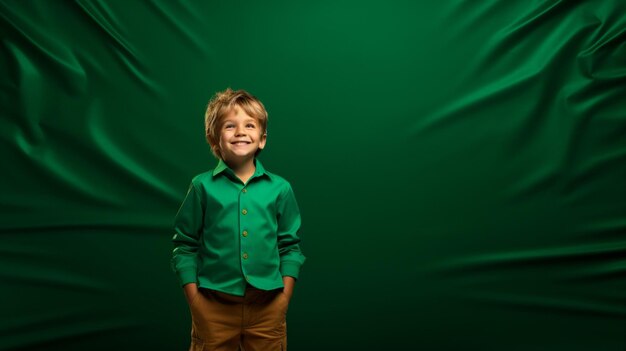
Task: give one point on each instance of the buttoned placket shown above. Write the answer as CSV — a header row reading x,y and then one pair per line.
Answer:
x,y
243,228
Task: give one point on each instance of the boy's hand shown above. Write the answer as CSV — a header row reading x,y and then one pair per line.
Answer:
x,y
289,283
191,290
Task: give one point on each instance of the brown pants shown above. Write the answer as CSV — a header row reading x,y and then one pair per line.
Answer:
x,y
254,322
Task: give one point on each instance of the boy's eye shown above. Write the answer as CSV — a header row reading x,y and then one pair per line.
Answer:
x,y
250,125
229,126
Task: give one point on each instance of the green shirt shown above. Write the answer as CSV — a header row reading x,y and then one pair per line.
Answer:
x,y
229,233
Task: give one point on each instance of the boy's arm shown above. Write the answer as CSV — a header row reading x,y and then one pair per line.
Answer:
x,y
191,290
289,283
291,257
188,226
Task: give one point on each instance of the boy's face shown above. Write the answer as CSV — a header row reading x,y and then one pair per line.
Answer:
x,y
240,137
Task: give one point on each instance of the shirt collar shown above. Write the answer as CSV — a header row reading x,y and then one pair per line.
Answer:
x,y
223,167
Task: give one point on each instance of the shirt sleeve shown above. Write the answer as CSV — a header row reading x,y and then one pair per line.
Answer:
x,y
291,257
187,226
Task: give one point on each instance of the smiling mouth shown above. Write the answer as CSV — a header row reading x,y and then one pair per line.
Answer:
x,y
241,143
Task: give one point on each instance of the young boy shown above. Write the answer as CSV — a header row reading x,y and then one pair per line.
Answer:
x,y
236,247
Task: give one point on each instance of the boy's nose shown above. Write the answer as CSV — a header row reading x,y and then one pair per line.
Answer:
x,y
240,131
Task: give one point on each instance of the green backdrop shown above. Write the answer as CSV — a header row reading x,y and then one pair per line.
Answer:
x,y
460,167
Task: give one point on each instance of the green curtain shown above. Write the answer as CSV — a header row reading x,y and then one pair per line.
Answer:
x,y
460,167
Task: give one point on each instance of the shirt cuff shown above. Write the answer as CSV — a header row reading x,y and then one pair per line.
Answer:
x,y
187,276
290,268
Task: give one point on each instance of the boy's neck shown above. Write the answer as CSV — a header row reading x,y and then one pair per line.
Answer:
x,y
243,170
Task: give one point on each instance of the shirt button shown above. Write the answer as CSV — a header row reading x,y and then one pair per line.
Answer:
x,y
245,190
245,233
244,211
245,255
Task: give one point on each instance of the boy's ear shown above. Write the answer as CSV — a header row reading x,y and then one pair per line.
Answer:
x,y
216,149
263,141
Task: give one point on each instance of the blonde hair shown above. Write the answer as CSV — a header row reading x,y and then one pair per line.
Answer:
x,y
223,103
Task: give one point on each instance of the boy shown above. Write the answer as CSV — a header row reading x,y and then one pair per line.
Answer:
x,y
236,247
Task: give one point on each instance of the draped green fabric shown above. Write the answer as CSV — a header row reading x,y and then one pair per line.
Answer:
x,y
460,167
